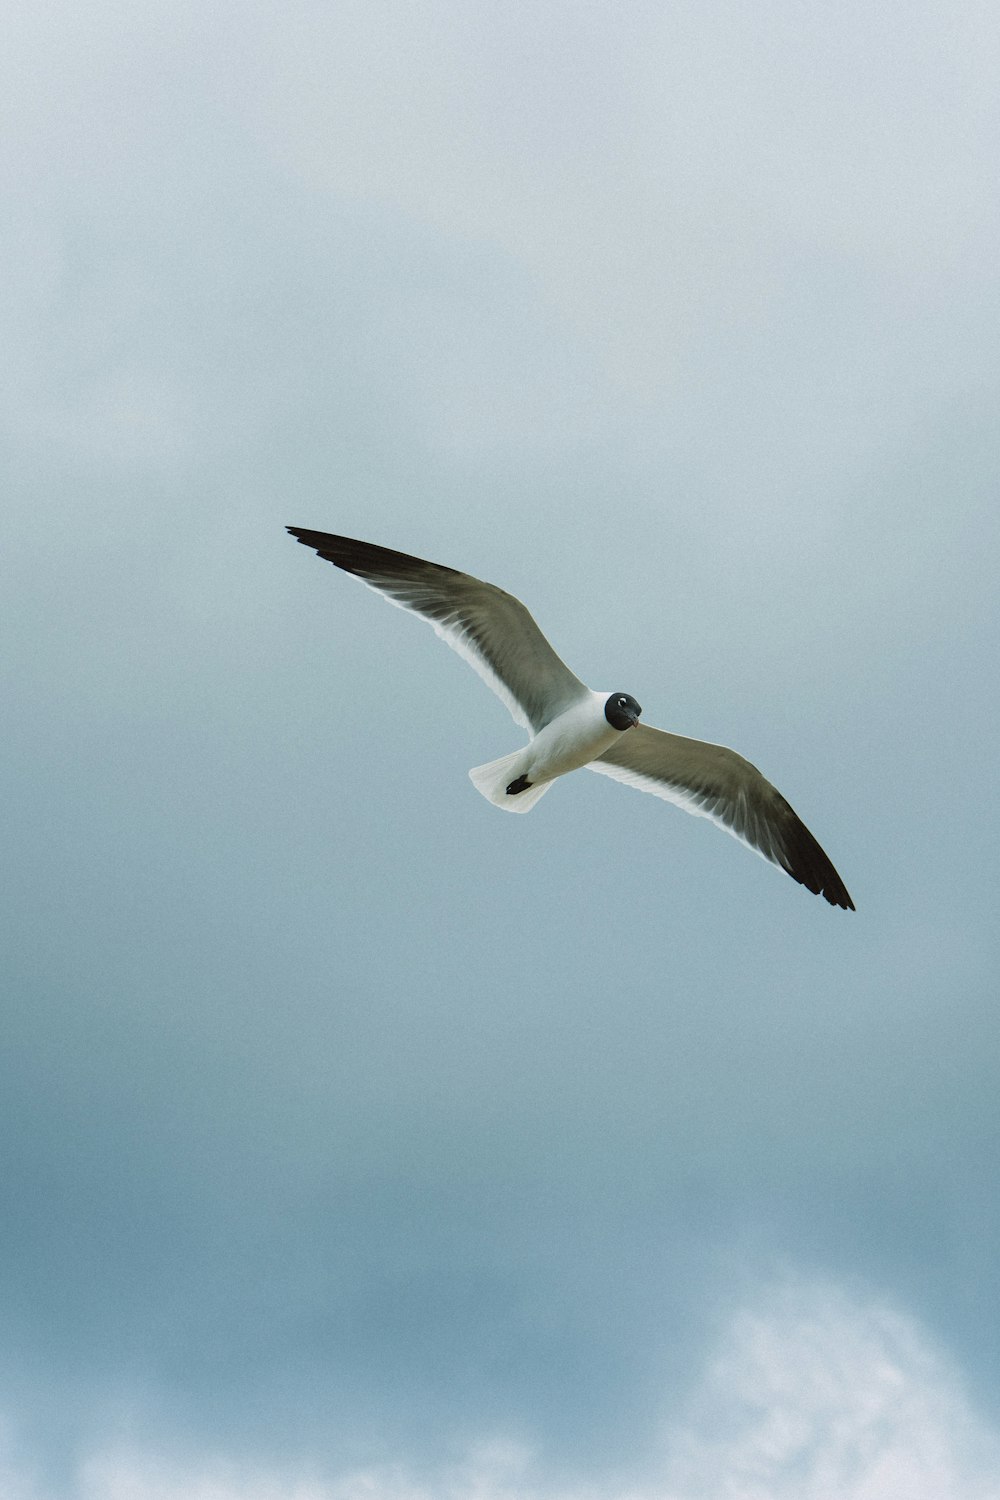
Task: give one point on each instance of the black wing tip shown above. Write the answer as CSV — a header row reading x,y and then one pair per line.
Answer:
x,y
830,887
342,551
837,895
809,864
322,541
347,552
364,559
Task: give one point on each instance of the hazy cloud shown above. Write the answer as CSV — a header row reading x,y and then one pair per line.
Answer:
x,y
811,1394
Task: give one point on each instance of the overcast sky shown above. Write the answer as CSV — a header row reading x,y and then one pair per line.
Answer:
x,y
356,1140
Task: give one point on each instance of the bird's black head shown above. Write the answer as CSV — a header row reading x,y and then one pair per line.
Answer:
x,y
622,711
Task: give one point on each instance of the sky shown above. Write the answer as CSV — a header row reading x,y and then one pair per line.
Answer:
x,y
361,1144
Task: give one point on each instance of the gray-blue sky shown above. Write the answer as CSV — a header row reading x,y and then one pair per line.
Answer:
x,y
342,1121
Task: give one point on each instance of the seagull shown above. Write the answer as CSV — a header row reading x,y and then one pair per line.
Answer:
x,y
572,725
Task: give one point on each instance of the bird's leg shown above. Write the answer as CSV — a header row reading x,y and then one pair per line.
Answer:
x,y
520,785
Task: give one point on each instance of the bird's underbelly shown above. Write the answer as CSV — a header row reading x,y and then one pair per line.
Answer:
x,y
561,747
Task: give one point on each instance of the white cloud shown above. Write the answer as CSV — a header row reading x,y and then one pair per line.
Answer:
x,y
810,1394
820,1396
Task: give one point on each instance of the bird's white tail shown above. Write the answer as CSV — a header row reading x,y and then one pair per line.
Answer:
x,y
494,778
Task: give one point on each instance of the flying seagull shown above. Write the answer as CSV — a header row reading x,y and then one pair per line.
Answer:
x,y
573,726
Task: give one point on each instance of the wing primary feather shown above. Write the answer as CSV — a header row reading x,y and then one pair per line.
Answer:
x,y
489,628
714,782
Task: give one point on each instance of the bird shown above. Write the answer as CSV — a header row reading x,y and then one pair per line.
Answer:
x,y
573,726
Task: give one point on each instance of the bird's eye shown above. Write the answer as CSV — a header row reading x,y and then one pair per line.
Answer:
x,y
622,703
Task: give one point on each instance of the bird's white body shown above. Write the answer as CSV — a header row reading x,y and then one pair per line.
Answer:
x,y
579,735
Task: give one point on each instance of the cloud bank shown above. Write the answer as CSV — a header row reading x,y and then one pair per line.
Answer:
x,y
811,1393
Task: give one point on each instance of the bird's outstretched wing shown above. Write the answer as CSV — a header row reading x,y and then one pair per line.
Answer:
x,y
713,782
491,629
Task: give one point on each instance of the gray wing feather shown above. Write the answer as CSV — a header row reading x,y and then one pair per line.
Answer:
x,y
713,782
489,628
